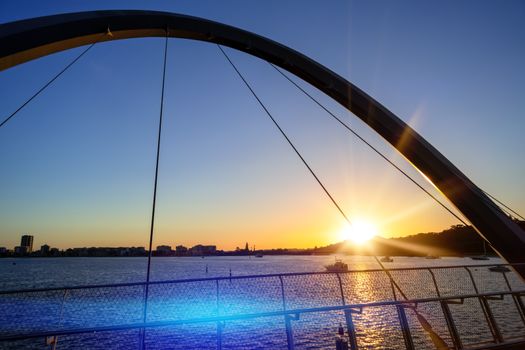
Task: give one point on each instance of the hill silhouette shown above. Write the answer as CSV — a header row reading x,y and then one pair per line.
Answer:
x,y
458,240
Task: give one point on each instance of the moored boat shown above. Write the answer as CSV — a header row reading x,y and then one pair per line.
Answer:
x,y
430,256
499,268
337,266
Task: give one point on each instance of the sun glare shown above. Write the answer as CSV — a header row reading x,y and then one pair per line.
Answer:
x,y
361,231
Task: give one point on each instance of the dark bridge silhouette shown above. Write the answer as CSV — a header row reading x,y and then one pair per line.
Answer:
x,y
26,40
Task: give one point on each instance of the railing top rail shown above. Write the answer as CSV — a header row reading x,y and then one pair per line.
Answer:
x,y
13,337
227,278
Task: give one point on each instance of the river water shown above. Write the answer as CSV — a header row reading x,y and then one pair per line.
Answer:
x,y
375,327
18,273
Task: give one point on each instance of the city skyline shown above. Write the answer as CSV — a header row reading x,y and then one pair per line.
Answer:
x,y
78,161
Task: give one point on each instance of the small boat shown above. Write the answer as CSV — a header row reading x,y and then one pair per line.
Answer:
x,y
430,256
499,268
481,257
386,259
258,255
337,266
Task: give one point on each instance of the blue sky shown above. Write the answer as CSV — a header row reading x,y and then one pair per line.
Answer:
x,y
77,163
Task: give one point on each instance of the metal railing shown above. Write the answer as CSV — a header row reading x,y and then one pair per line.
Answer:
x,y
468,306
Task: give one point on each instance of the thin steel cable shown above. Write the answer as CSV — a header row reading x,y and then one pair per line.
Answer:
x,y
285,136
154,202
369,144
436,339
505,206
51,81
301,157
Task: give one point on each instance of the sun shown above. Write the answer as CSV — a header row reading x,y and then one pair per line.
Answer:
x,y
360,231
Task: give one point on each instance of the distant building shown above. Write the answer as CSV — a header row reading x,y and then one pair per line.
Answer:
x,y
163,250
27,241
44,250
21,250
181,250
203,250
54,252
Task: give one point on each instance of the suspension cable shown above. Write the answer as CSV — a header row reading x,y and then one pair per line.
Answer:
x,y
54,78
368,144
285,136
505,206
152,225
436,339
385,157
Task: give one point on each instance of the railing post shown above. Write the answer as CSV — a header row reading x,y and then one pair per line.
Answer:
x,y
516,298
492,322
449,319
142,336
519,303
405,328
343,301
496,335
220,325
55,337
287,321
348,317
393,289
352,338
456,339
435,282
289,332
282,292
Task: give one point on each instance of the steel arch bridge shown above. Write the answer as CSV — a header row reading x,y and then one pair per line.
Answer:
x,y
26,40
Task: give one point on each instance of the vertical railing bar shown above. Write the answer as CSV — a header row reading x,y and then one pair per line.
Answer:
x,y
435,282
287,322
217,312
217,305
64,296
348,318
452,329
519,302
220,326
142,344
516,300
352,338
341,289
393,290
497,334
472,279
289,332
485,308
405,329
282,293
449,319
507,282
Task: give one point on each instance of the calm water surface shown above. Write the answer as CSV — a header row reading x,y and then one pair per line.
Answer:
x,y
53,272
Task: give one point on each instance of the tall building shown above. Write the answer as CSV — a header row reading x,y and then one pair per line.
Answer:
x,y
27,241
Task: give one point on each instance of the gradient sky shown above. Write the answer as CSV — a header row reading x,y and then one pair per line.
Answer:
x,y
77,164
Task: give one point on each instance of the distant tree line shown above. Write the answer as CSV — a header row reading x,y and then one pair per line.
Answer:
x,y
458,240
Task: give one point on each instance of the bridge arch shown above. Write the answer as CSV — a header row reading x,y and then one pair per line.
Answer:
x,y
25,40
